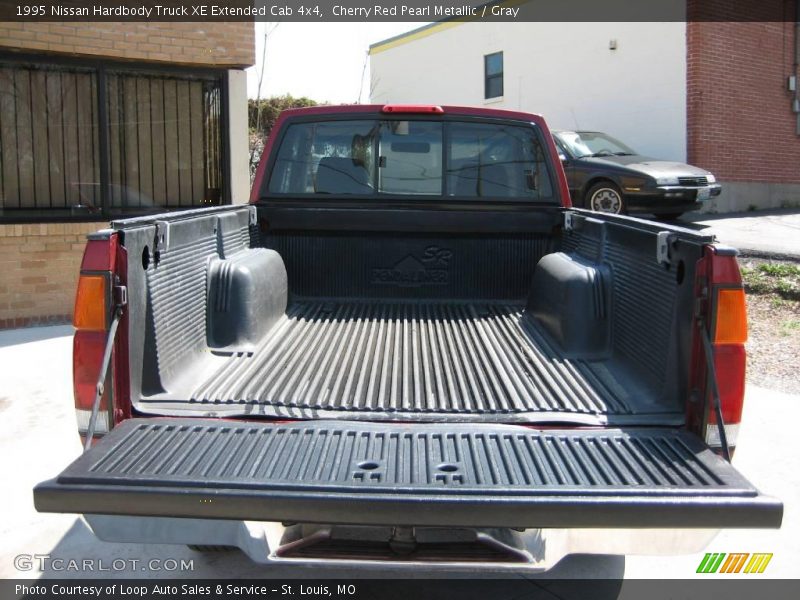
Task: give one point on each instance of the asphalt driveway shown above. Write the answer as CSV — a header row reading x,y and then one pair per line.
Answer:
x,y
38,438
773,233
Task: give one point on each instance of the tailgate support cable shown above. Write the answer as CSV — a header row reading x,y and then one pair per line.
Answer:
x,y
712,379
100,388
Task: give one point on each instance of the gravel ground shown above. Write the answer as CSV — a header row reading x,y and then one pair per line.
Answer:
x,y
773,346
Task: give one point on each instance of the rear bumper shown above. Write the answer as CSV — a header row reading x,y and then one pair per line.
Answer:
x,y
531,550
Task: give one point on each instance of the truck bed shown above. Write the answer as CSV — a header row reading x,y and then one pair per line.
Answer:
x,y
583,327
417,361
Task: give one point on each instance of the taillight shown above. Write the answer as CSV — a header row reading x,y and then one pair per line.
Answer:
x,y
724,317
91,303
730,325
87,356
91,319
729,364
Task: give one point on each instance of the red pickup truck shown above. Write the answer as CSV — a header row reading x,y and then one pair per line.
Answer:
x,y
409,349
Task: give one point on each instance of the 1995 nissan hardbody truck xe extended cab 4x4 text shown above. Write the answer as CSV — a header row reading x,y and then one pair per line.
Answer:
x,y
409,350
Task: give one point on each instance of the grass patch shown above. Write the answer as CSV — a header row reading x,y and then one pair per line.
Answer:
x,y
780,269
779,279
776,302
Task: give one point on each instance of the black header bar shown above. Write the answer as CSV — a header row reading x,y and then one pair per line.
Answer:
x,y
423,11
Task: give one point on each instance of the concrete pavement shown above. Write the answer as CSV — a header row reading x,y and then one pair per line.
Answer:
x,y
774,233
38,439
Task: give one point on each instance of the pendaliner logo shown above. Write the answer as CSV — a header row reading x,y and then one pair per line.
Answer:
x,y
735,562
430,269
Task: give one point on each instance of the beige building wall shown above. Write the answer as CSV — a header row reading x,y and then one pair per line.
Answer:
x,y
238,139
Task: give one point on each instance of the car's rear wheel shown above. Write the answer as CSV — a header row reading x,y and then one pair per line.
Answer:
x,y
605,197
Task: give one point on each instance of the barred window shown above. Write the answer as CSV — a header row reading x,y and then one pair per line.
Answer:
x,y
162,133
49,160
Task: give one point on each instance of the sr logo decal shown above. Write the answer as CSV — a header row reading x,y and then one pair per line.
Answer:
x,y
410,271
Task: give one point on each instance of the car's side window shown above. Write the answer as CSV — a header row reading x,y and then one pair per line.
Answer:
x,y
562,150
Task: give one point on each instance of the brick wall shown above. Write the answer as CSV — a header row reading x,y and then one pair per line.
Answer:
x,y
39,265
739,113
211,44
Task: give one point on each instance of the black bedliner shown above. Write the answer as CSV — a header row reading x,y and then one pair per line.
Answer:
x,y
404,474
469,360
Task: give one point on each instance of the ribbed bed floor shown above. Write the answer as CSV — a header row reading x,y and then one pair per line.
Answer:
x,y
369,360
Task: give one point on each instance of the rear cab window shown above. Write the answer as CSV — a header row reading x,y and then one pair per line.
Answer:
x,y
412,158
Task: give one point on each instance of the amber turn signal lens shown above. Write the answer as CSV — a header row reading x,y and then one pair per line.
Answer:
x,y
731,326
90,304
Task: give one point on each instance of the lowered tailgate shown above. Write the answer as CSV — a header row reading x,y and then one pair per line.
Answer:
x,y
408,474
